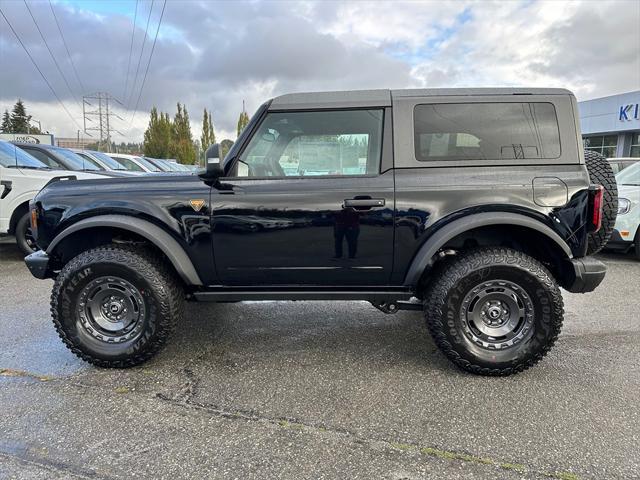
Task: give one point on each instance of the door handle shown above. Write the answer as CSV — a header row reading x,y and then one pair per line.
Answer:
x,y
363,203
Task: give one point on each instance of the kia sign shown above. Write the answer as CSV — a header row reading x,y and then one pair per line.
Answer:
x,y
628,112
47,139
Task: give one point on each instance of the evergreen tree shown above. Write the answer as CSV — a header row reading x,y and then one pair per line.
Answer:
x,y
225,146
19,118
204,138
157,137
6,126
182,147
242,121
212,133
208,136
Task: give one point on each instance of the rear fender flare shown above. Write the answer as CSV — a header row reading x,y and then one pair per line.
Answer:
x,y
422,259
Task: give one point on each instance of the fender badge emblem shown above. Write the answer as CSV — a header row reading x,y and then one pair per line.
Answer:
x,y
196,204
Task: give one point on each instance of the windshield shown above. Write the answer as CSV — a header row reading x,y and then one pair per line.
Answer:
x,y
88,160
107,160
158,163
76,162
148,164
630,175
14,157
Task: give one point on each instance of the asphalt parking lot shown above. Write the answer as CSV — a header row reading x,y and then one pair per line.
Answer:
x,y
319,390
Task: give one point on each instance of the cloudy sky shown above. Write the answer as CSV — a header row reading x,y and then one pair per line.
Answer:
x,y
215,54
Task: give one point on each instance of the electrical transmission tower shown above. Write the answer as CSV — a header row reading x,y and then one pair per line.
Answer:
x,y
96,111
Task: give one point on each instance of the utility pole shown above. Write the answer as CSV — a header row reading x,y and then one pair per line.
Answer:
x,y
96,110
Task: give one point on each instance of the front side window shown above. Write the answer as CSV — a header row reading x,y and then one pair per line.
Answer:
x,y
303,144
486,131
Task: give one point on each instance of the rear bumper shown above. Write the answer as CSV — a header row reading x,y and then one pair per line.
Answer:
x,y
588,273
38,264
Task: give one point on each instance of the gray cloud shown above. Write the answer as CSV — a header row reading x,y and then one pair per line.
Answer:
x,y
215,54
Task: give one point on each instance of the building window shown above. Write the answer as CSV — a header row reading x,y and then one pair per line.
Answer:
x,y
606,145
635,145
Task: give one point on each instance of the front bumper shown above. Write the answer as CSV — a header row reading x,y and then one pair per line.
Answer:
x,y
587,274
38,264
618,242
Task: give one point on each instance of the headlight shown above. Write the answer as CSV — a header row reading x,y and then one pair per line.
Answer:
x,y
624,205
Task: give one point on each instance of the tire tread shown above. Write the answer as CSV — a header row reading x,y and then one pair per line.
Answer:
x,y
153,269
458,268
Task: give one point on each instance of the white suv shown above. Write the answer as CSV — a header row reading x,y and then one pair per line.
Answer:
x,y
626,234
21,177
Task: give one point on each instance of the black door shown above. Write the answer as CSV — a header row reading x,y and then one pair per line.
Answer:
x,y
307,204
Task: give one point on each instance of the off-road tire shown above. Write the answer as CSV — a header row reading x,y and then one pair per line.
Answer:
x,y
22,230
161,293
456,279
601,173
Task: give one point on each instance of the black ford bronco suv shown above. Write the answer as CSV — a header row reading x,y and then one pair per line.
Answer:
x,y
474,205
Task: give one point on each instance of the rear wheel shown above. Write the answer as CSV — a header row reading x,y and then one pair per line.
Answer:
x,y
601,173
494,311
24,237
115,306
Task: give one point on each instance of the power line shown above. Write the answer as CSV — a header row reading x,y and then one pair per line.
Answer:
x,y
38,68
144,39
51,53
67,48
133,34
153,47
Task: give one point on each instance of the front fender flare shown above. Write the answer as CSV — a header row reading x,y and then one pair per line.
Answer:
x,y
154,234
426,252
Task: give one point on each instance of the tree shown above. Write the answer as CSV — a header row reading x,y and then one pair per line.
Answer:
x,y
204,138
242,121
182,147
225,146
20,121
208,136
6,126
158,136
212,133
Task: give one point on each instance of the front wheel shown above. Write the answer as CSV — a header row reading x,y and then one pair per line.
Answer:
x,y
115,306
494,311
24,237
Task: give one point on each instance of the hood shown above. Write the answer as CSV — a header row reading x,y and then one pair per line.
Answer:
x,y
47,174
114,186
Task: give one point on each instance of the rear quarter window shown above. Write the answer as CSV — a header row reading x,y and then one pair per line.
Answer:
x,y
486,131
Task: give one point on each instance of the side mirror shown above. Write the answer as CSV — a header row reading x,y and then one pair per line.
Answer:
x,y
213,166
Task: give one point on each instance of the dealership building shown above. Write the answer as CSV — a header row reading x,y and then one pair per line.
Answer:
x,y
611,125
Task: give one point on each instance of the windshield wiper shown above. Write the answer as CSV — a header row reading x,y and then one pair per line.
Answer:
x,y
631,184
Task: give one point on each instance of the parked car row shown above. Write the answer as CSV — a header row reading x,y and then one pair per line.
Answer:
x,y
25,168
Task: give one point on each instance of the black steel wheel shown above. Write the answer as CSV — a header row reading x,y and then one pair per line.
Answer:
x,y
24,236
115,306
493,311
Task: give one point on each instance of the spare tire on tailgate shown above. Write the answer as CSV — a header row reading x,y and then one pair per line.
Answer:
x,y
601,173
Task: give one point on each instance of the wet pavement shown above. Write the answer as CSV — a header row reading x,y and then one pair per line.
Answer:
x,y
318,390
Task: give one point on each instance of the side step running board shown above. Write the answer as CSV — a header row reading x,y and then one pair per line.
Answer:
x,y
374,296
